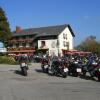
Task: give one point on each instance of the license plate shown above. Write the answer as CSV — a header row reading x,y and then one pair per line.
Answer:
x,y
78,69
65,69
45,66
23,64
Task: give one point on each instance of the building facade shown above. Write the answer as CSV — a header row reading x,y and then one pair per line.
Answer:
x,y
55,40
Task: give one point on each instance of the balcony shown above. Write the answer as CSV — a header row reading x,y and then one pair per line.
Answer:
x,y
21,50
21,40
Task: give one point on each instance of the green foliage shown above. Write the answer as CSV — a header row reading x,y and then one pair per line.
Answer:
x,y
5,33
90,44
7,60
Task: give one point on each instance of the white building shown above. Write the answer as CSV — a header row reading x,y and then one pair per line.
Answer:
x,y
54,39
58,44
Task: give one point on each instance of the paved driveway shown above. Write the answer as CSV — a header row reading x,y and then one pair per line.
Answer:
x,y
40,86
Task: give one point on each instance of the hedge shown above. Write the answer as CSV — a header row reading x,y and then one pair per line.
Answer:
x,y
7,60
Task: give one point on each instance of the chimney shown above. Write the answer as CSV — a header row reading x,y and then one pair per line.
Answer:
x,y
18,29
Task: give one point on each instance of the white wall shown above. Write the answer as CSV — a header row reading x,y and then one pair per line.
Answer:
x,y
51,45
69,39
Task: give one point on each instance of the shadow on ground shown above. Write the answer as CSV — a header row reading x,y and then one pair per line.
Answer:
x,y
39,70
18,72
49,74
88,78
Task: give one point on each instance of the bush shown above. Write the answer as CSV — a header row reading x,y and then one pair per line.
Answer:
x,y
7,60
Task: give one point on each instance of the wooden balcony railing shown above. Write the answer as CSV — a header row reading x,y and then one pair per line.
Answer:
x,y
20,49
21,40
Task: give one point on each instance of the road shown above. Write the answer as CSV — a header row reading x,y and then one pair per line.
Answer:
x,y
40,86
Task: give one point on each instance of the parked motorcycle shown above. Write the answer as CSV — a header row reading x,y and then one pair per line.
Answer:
x,y
75,69
96,72
93,69
23,65
89,67
24,68
45,65
59,68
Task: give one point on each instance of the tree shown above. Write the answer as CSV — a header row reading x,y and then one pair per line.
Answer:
x,y
5,33
90,44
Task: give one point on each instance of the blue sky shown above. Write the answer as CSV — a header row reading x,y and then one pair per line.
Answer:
x,y
82,15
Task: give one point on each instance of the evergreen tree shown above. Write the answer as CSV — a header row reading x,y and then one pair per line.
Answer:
x,y
5,33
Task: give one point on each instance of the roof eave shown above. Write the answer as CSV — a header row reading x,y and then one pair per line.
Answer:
x,y
71,31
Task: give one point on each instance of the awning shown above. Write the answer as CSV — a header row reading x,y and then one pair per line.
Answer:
x,y
21,51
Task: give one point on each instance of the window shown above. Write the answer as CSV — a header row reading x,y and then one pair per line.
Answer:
x,y
23,44
64,43
53,44
42,44
17,44
24,37
67,43
64,35
31,44
16,38
30,36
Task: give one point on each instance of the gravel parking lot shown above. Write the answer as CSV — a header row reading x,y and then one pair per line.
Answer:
x,y
40,86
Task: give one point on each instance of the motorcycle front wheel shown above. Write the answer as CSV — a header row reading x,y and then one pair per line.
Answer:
x,y
64,75
47,70
76,74
99,78
84,73
24,71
